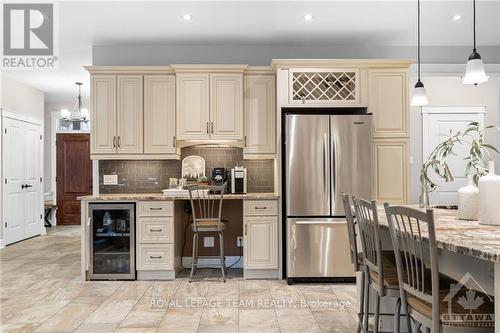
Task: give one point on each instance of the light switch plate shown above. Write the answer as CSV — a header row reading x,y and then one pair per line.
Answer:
x,y
110,180
208,241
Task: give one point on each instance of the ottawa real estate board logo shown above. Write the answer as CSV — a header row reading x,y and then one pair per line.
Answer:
x,y
29,39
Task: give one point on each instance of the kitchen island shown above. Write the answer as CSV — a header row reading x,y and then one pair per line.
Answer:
x,y
161,230
467,250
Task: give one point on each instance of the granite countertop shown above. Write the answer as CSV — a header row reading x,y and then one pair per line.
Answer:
x,y
159,196
464,237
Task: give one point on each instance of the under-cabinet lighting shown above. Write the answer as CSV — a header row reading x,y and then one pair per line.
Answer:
x,y
308,17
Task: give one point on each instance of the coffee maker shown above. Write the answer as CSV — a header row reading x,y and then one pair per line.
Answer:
x,y
220,178
238,180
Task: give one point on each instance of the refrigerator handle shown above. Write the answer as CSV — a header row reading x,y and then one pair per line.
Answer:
x,y
325,165
334,173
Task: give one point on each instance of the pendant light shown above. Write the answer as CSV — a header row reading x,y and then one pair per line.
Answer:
x,y
419,97
474,69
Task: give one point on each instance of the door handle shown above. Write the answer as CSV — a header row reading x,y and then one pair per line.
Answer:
x,y
325,165
23,186
320,222
114,142
245,140
207,127
118,142
212,125
155,257
173,141
246,229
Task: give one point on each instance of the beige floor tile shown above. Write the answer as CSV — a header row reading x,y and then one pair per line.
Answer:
x,y
101,288
181,320
332,320
195,289
297,320
39,312
254,284
111,311
18,328
131,290
136,330
96,328
68,318
13,306
219,317
144,314
96,300
255,299
258,321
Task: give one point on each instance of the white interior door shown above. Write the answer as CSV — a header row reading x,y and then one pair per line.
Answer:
x,y
437,124
22,194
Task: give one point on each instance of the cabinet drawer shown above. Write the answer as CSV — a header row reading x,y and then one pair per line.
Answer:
x,y
156,208
260,207
156,230
155,257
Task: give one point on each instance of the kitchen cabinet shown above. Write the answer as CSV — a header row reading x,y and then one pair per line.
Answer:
x,y
260,235
117,114
159,114
260,116
226,106
391,170
103,117
209,106
389,102
193,109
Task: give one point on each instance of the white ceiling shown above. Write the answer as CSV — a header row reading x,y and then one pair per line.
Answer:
x,y
376,23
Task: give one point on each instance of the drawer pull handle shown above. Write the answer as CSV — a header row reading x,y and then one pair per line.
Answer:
x,y
155,230
260,207
155,257
155,208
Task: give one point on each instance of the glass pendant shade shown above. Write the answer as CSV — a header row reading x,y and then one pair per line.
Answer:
x,y
419,98
474,70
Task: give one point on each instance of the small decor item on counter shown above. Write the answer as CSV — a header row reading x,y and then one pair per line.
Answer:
x,y
182,183
193,167
203,180
173,183
468,201
489,197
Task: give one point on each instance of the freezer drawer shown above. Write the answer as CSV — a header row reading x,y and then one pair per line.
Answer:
x,y
318,248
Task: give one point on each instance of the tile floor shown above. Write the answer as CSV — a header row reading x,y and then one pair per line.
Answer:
x,y
41,291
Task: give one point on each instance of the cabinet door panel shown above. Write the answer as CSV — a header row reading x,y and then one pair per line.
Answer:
x,y
159,114
130,115
192,106
391,170
103,117
260,115
226,106
261,242
389,103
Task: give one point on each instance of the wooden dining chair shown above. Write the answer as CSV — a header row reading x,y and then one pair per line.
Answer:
x,y
432,300
356,257
379,276
206,205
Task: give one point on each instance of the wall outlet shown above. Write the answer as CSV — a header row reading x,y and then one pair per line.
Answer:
x,y
239,241
110,180
208,241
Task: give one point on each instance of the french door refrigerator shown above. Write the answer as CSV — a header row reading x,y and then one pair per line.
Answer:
x,y
325,155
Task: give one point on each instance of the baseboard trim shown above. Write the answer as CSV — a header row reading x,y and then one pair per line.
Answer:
x,y
213,262
156,275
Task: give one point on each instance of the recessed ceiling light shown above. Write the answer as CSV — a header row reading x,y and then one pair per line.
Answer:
x,y
308,17
457,17
187,17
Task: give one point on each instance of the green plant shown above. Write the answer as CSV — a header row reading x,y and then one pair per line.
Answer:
x,y
479,155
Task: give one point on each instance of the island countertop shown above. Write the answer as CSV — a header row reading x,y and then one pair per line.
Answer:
x,y
463,237
159,196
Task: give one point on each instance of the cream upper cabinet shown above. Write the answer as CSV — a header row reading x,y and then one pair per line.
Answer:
x,y
193,106
388,102
391,169
260,115
226,106
129,115
261,242
103,116
159,114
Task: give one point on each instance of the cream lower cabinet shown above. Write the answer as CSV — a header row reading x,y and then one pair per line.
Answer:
x,y
159,114
155,240
260,116
117,114
209,106
260,235
391,170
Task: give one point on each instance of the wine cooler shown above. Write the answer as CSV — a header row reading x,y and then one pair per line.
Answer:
x,y
112,241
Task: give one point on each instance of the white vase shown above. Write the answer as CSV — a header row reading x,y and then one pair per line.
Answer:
x,y
468,201
489,197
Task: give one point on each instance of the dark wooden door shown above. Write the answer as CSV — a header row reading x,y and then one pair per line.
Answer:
x,y
74,175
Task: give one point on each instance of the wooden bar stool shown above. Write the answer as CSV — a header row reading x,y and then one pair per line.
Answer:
x,y
380,275
206,204
432,300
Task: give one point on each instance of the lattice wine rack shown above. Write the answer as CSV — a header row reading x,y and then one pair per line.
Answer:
x,y
324,87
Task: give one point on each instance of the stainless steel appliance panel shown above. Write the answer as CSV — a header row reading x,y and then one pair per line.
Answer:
x,y
351,156
318,248
307,165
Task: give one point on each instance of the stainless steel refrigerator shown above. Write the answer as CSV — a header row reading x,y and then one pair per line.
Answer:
x,y
325,155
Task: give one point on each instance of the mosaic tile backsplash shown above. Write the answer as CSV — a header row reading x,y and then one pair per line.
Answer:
x,y
152,176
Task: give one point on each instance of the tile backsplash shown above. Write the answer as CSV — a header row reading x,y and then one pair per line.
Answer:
x,y
145,176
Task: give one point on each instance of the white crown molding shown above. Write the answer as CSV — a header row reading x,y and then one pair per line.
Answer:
x,y
129,69
339,63
14,115
183,68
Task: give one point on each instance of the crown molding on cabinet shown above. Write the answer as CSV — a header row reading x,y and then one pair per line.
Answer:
x,y
129,69
212,68
340,63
